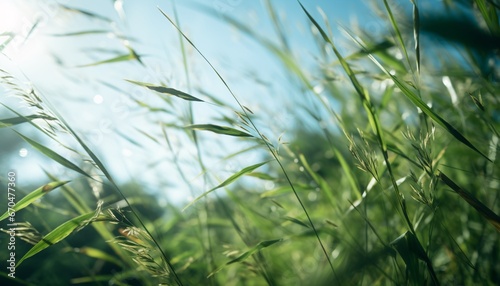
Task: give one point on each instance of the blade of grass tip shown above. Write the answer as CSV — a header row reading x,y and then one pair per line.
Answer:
x,y
58,234
297,221
398,33
219,130
54,156
86,13
33,196
228,181
268,144
121,58
166,90
278,27
486,212
246,254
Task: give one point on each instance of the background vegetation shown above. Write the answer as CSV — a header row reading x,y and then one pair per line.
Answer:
x,y
379,170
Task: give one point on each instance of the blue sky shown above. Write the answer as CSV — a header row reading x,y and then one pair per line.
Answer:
x,y
51,63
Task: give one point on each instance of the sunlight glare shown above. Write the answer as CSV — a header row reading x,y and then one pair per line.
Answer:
x,y
23,152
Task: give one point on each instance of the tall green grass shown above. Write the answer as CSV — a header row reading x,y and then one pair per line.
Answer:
x,y
391,179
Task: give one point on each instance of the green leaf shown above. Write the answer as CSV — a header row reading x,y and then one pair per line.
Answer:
x,y
220,130
58,234
262,176
21,119
297,221
33,196
228,181
80,33
166,90
53,155
121,58
486,212
246,254
86,13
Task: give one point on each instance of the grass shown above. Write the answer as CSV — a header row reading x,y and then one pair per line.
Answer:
x,y
387,176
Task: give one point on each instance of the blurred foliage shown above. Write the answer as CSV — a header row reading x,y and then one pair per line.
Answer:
x,y
389,178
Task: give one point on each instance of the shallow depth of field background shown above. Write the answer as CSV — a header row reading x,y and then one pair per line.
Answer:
x,y
252,142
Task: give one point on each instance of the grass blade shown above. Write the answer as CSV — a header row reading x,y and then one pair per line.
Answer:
x,y
33,196
219,130
86,13
246,254
166,90
486,212
21,119
58,234
121,58
54,156
80,33
228,181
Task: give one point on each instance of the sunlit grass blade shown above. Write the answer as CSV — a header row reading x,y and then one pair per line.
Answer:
x,y
33,196
121,58
228,181
58,234
486,212
7,37
219,130
81,33
261,245
86,13
399,36
22,119
166,90
54,156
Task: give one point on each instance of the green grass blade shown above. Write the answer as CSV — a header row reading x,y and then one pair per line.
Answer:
x,y
228,181
81,33
120,58
21,119
33,196
58,234
166,90
486,212
297,221
86,13
398,32
246,254
54,156
219,130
